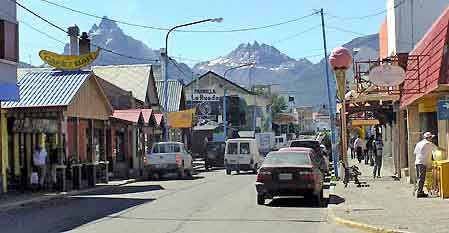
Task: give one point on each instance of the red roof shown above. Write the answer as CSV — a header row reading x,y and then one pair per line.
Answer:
x,y
430,66
146,114
131,115
158,117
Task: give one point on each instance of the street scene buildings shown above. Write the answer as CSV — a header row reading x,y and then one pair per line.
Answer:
x,y
109,135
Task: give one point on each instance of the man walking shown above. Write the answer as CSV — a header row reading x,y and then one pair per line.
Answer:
x,y
423,152
378,148
358,145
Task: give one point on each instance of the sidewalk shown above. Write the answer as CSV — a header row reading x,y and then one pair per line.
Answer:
x,y
18,199
387,204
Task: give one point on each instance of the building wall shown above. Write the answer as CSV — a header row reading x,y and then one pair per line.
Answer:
x,y
409,20
89,103
383,39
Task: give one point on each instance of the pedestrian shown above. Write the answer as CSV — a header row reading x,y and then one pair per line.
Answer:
x,y
358,145
369,149
423,153
378,148
40,161
351,147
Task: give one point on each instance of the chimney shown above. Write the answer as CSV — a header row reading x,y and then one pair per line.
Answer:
x,y
84,44
73,32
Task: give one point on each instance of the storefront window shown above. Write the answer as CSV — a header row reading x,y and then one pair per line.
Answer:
x,y
119,146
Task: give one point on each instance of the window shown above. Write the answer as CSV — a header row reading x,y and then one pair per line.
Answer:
x,y
166,148
288,158
9,41
244,148
232,148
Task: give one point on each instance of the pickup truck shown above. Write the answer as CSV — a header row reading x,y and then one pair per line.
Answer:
x,y
168,158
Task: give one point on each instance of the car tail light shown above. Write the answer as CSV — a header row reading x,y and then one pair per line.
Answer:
x,y
145,161
178,159
307,175
262,176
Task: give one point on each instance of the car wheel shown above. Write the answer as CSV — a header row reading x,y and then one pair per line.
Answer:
x,y
319,199
189,174
260,199
228,171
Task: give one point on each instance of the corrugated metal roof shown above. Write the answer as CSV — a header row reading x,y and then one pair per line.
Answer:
x,y
174,94
132,78
48,88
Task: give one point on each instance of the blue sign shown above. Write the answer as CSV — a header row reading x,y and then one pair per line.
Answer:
x,y
443,110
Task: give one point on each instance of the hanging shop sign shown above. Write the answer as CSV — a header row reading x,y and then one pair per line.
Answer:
x,y
29,125
64,62
387,75
443,110
202,95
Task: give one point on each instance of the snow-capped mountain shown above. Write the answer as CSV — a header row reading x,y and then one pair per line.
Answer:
x,y
108,34
301,78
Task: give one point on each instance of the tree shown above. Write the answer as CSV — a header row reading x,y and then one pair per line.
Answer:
x,y
278,104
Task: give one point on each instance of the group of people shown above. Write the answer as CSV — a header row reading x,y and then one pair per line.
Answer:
x,y
370,152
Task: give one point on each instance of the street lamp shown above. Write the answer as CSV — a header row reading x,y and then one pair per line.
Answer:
x,y
164,63
340,60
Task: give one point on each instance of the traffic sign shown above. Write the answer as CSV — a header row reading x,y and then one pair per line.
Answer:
x,y
443,110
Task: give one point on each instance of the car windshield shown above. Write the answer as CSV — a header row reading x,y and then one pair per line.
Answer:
x,y
288,158
166,148
308,144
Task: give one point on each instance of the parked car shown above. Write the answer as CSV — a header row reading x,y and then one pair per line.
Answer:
x,y
289,173
215,154
168,157
315,145
241,154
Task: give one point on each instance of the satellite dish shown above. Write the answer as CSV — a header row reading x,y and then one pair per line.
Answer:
x,y
387,75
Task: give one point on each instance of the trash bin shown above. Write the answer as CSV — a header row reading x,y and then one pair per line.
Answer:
x,y
443,170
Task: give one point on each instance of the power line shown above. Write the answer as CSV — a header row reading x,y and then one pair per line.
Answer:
x,y
166,29
378,12
362,34
65,31
42,32
179,69
296,34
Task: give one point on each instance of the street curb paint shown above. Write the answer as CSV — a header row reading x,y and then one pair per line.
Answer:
x,y
364,226
357,225
30,201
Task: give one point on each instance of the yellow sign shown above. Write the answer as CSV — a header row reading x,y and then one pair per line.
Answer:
x,y
181,119
365,122
64,62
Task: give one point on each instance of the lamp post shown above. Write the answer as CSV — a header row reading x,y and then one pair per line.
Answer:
x,y
225,132
340,60
164,63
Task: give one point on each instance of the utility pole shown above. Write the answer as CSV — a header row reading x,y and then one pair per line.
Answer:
x,y
331,99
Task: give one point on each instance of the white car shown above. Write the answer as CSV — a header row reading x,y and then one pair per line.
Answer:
x,y
168,157
241,154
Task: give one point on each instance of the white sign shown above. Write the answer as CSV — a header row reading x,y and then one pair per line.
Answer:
x,y
387,75
205,95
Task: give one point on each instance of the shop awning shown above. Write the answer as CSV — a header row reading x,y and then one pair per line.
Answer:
x,y
424,74
159,117
130,115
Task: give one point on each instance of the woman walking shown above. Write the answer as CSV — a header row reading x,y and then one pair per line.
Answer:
x,y
358,145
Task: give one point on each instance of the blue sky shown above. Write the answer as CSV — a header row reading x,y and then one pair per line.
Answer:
x,y
205,46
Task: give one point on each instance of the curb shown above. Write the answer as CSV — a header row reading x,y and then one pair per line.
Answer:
x,y
364,226
358,225
60,195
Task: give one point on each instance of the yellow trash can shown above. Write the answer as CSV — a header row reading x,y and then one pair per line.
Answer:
x,y
443,168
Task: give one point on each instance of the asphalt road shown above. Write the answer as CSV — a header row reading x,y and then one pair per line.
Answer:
x,y
212,202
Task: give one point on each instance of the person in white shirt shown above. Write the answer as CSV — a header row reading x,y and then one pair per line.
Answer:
x,y
358,145
423,154
40,161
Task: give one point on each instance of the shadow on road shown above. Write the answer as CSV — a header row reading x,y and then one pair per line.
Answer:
x,y
335,199
294,202
66,214
127,189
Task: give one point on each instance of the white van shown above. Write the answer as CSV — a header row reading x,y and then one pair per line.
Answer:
x,y
241,154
